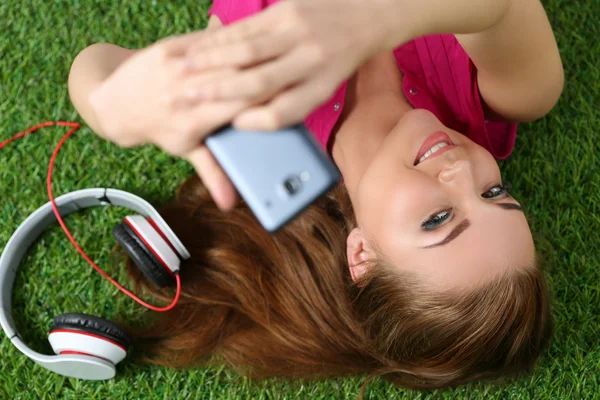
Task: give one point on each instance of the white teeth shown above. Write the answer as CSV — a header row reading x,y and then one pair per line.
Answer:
x,y
432,150
429,152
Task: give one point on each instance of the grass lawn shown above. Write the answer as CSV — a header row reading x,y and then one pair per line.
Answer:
x,y
554,171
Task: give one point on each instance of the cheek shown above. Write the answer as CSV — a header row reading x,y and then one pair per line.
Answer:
x,y
417,197
395,202
376,195
485,165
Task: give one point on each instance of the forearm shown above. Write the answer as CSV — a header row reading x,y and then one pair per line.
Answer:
x,y
510,42
405,20
89,69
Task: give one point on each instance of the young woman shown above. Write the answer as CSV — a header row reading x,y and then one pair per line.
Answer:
x,y
421,267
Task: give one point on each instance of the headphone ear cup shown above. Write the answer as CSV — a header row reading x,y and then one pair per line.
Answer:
x,y
76,333
142,256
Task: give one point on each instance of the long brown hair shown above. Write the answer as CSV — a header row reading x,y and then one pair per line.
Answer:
x,y
284,305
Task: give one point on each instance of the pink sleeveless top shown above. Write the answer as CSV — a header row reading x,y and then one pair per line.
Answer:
x,y
438,76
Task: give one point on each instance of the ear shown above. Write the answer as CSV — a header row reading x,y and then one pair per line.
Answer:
x,y
358,250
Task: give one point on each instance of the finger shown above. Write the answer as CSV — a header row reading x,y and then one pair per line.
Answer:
x,y
258,82
178,45
290,107
214,178
192,125
208,117
238,31
183,95
242,53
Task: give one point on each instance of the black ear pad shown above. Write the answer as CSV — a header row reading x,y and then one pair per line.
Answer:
x,y
142,256
90,324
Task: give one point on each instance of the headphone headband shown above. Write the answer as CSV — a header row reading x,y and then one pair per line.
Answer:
x,y
35,225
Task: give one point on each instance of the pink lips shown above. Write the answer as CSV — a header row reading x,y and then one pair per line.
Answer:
x,y
431,141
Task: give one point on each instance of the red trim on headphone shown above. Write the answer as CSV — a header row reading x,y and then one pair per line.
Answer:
x,y
162,235
89,334
84,354
139,235
74,127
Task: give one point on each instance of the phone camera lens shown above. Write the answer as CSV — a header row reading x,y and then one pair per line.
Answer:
x,y
292,185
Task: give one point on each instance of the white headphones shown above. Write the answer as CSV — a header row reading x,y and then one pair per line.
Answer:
x,y
89,347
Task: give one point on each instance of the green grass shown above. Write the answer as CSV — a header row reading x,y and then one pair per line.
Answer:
x,y
554,170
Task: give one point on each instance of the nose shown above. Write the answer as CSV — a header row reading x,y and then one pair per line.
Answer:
x,y
458,171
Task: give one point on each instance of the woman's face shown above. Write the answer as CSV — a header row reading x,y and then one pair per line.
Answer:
x,y
446,217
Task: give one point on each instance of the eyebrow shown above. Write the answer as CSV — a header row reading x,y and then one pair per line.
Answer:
x,y
464,224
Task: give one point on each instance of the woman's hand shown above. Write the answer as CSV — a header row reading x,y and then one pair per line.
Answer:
x,y
291,58
141,102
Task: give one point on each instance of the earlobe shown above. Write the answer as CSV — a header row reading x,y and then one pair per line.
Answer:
x,y
358,251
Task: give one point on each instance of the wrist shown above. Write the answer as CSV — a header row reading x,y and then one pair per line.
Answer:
x,y
371,29
108,117
97,103
400,21
394,22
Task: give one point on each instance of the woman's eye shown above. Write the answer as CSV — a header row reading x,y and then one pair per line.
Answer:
x,y
497,191
436,220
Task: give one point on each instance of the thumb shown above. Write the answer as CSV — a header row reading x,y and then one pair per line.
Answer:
x,y
214,178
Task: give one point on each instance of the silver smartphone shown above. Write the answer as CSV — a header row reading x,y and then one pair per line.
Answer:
x,y
278,174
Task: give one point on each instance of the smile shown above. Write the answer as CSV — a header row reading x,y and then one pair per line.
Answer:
x,y
435,145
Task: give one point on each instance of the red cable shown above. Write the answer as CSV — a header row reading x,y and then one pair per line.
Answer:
x,y
76,126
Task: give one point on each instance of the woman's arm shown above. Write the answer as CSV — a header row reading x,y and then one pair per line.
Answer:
x,y
89,69
92,66
127,97
293,55
520,73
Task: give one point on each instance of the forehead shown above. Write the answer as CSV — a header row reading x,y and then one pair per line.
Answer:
x,y
495,241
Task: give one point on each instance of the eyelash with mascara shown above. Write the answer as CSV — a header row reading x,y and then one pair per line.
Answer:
x,y
441,216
